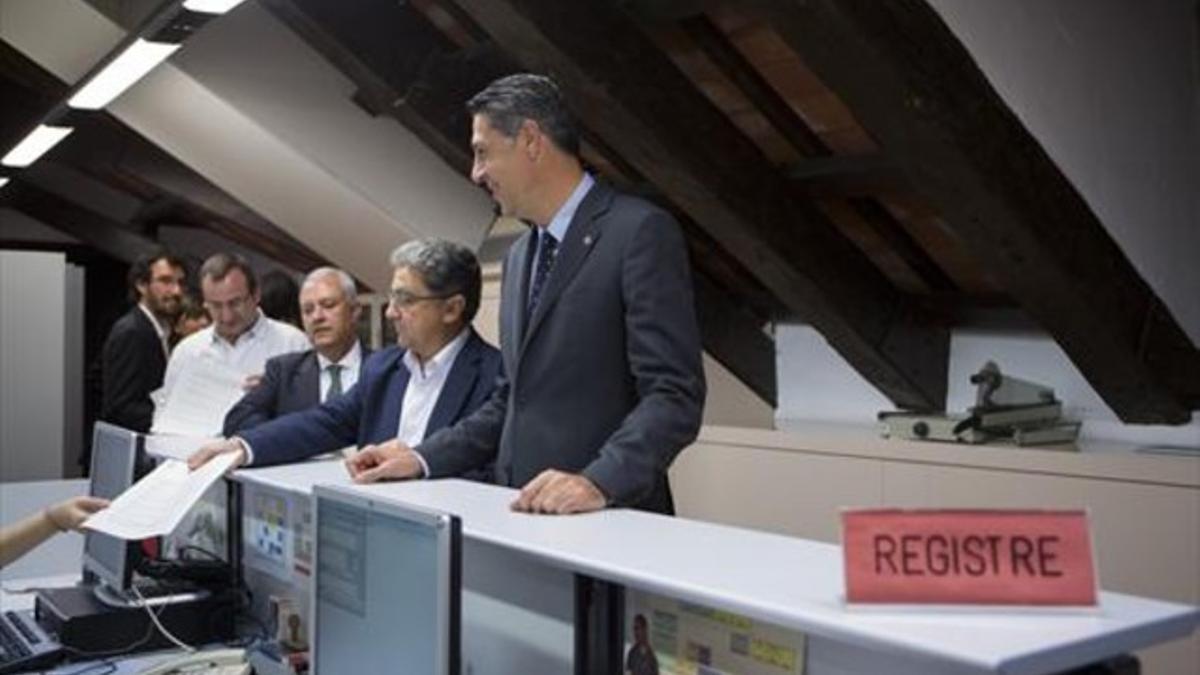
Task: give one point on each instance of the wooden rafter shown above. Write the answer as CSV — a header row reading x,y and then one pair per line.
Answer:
x,y
916,89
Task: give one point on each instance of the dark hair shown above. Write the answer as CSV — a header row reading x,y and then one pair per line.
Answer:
x,y
219,265
191,308
509,101
280,299
446,268
139,271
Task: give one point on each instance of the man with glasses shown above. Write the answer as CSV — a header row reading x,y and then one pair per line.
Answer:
x,y
329,312
604,384
241,337
439,372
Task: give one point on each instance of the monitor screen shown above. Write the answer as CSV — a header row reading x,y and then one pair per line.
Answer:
x,y
114,462
387,590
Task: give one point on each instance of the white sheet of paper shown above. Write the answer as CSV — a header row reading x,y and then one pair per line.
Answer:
x,y
172,446
155,505
197,403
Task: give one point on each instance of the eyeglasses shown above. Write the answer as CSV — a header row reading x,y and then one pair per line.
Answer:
x,y
235,305
402,298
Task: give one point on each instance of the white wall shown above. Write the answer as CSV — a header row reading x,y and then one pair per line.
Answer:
x,y
32,367
1109,88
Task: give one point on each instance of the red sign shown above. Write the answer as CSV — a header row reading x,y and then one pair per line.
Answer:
x,y
982,557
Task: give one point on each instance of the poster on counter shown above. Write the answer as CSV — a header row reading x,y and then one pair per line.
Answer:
x,y
665,636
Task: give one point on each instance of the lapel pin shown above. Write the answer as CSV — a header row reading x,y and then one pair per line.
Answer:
x,y
587,240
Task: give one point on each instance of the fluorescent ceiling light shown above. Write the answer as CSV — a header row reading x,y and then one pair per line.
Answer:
x,y
211,6
35,145
137,60
3,182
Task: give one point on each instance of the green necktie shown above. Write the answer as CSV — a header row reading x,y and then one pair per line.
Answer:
x,y
335,381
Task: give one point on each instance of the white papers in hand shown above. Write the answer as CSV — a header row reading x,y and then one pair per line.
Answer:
x,y
171,446
155,505
197,403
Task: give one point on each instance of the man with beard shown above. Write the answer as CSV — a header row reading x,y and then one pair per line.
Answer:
x,y
135,354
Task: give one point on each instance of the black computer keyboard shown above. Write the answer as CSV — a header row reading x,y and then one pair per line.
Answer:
x,y
22,647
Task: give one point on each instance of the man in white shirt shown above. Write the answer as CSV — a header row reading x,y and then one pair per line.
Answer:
x,y
439,372
298,381
241,338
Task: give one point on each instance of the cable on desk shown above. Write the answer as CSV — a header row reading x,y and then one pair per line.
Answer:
x,y
163,629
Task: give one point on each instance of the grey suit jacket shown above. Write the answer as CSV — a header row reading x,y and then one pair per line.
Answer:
x,y
605,378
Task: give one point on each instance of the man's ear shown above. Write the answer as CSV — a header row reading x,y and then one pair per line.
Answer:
x,y
456,306
142,288
530,138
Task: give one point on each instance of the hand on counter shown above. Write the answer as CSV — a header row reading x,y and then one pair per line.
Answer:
x,y
559,492
392,460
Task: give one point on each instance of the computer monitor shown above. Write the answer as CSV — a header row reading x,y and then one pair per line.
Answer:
x,y
114,464
388,586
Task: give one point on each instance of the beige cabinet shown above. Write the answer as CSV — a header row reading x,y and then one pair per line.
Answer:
x,y
1145,506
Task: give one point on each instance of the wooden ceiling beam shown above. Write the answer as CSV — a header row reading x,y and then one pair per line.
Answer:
x,y
738,69
626,91
848,176
735,338
112,238
917,90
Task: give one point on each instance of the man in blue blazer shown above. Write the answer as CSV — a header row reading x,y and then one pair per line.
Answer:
x,y
297,381
440,372
604,384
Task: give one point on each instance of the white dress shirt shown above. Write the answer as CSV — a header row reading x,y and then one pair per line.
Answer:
x,y
248,355
425,382
350,363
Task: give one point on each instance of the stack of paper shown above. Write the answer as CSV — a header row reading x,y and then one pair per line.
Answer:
x,y
197,403
155,505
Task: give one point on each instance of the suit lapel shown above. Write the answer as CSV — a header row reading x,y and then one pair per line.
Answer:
x,y
308,388
151,329
580,239
459,383
393,398
516,291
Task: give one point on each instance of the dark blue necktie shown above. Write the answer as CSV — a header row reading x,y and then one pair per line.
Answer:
x,y
545,260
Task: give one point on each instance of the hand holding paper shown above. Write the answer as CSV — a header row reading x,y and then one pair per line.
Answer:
x,y
156,504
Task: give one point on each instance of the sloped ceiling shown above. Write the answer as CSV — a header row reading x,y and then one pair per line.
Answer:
x,y
839,163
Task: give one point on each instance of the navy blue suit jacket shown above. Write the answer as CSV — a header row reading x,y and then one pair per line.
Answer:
x,y
291,382
369,412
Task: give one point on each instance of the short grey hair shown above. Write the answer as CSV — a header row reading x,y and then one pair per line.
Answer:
x,y
349,288
509,101
446,268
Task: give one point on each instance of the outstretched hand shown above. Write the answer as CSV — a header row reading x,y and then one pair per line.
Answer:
x,y
69,515
200,457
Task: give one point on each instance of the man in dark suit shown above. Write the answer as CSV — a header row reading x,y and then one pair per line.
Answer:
x,y
297,381
440,372
134,356
597,328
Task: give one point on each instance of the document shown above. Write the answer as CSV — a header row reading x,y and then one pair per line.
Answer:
x,y
173,446
155,505
197,403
